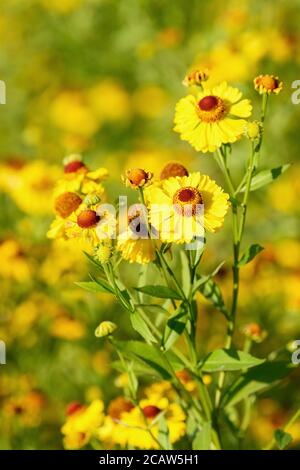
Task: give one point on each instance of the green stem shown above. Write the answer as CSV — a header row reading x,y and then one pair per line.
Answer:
x,y
289,424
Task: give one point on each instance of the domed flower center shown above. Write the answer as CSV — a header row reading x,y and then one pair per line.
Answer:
x,y
211,108
173,169
269,82
151,411
118,406
66,203
87,218
186,200
72,167
208,103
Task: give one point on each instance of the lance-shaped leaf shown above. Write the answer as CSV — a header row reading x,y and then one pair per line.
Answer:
x,y
212,292
148,354
265,177
139,324
282,438
94,287
229,360
175,326
256,380
202,439
161,292
250,254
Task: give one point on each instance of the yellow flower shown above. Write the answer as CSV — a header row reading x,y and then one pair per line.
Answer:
x,y
176,203
137,178
66,327
14,263
196,77
268,84
110,101
253,130
213,118
135,244
81,424
25,409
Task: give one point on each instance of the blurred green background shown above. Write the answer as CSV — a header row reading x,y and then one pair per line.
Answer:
x,y
101,78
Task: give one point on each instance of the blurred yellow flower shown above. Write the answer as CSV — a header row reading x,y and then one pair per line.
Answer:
x,y
109,101
81,424
67,327
14,263
150,101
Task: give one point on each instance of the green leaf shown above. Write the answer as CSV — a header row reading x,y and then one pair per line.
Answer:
x,y
91,286
255,380
103,283
148,354
162,292
185,273
175,327
139,324
202,439
250,253
265,177
132,380
282,438
163,434
229,360
211,291
93,260
203,279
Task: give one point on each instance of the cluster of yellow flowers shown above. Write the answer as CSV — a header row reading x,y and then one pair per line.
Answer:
x,y
127,424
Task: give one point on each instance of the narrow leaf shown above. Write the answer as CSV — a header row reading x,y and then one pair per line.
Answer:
x,y
202,439
91,287
265,177
282,438
229,360
175,327
211,291
250,253
256,380
161,292
139,324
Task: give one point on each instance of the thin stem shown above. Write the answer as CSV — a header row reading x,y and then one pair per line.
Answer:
x,y
289,424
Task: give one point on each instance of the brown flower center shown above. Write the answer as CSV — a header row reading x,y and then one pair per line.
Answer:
x,y
268,82
87,218
118,406
173,169
151,411
73,407
67,203
211,108
137,176
72,167
186,200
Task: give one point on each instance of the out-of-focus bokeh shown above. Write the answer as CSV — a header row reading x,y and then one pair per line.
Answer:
x,y
101,78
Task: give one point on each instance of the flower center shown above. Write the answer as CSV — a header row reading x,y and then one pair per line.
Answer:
x,y
269,82
211,108
186,200
67,203
72,167
151,411
73,407
87,218
118,406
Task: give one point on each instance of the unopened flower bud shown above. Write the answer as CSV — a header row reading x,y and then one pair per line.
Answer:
x,y
105,328
196,77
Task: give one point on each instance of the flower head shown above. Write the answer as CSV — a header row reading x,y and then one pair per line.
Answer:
x,y
196,77
268,84
212,118
103,253
253,130
182,207
137,178
254,332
